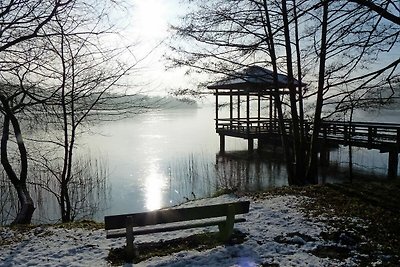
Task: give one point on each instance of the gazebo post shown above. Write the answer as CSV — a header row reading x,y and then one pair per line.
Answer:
x,y
275,112
238,106
248,112
221,136
259,109
271,110
259,125
216,109
230,107
250,141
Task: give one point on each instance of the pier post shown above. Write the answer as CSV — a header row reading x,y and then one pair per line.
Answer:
x,y
250,144
393,164
222,143
260,144
324,157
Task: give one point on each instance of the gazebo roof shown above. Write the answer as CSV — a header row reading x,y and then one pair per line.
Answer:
x,y
253,78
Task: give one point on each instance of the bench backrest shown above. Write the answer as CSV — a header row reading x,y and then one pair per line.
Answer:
x,y
175,215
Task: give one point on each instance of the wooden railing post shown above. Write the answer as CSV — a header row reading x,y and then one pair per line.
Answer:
x,y
370,135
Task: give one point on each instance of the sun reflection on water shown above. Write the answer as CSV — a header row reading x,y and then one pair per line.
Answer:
x,y
154,184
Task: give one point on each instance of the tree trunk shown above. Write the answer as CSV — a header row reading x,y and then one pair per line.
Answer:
x,y
351,147
65,204
67,144
303,133
24,215
312,171
277,100
299,169
26,209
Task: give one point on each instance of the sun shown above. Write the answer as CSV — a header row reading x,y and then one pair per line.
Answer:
x,y
149,19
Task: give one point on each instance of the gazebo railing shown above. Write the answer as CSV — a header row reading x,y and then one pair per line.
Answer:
x,y
251,125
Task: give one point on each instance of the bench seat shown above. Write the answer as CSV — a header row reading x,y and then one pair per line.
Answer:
x,y
167,228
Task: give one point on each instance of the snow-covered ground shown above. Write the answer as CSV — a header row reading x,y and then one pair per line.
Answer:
x,y
278,233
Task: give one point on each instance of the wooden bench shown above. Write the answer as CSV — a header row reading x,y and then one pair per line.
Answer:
x,y
131,225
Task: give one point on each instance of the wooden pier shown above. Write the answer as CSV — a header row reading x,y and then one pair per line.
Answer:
x,y
384,137
256,85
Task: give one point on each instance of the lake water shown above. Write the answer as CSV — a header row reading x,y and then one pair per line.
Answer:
x,y
163,158
167,157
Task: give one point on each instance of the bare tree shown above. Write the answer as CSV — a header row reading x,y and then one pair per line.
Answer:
x,y
20,21
87,74
19,181
340,51
385,9
54,70
313,160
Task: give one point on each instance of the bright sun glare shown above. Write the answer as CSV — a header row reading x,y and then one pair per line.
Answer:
x,y
154,185
150,18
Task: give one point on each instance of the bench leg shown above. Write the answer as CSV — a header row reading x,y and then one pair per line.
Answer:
x,y
130,249
226,229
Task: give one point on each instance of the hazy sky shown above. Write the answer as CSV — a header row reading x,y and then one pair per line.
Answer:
x,y
150,18
148,24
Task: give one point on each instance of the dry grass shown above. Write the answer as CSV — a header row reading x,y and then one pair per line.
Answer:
x,y
366,216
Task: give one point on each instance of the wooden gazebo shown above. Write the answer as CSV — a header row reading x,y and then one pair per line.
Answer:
x,y
253,84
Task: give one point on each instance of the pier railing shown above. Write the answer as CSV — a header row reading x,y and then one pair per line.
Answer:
x,y
383,136
372,135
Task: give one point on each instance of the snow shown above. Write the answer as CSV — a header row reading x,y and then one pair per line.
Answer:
x,y
278,233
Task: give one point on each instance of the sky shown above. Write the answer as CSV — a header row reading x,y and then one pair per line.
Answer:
x,y
150,18
148,26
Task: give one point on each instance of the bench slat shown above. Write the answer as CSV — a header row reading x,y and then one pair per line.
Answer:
x,y
175,215
144,231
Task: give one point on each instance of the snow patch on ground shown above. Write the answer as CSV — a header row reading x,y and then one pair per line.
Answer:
x,y
278,233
